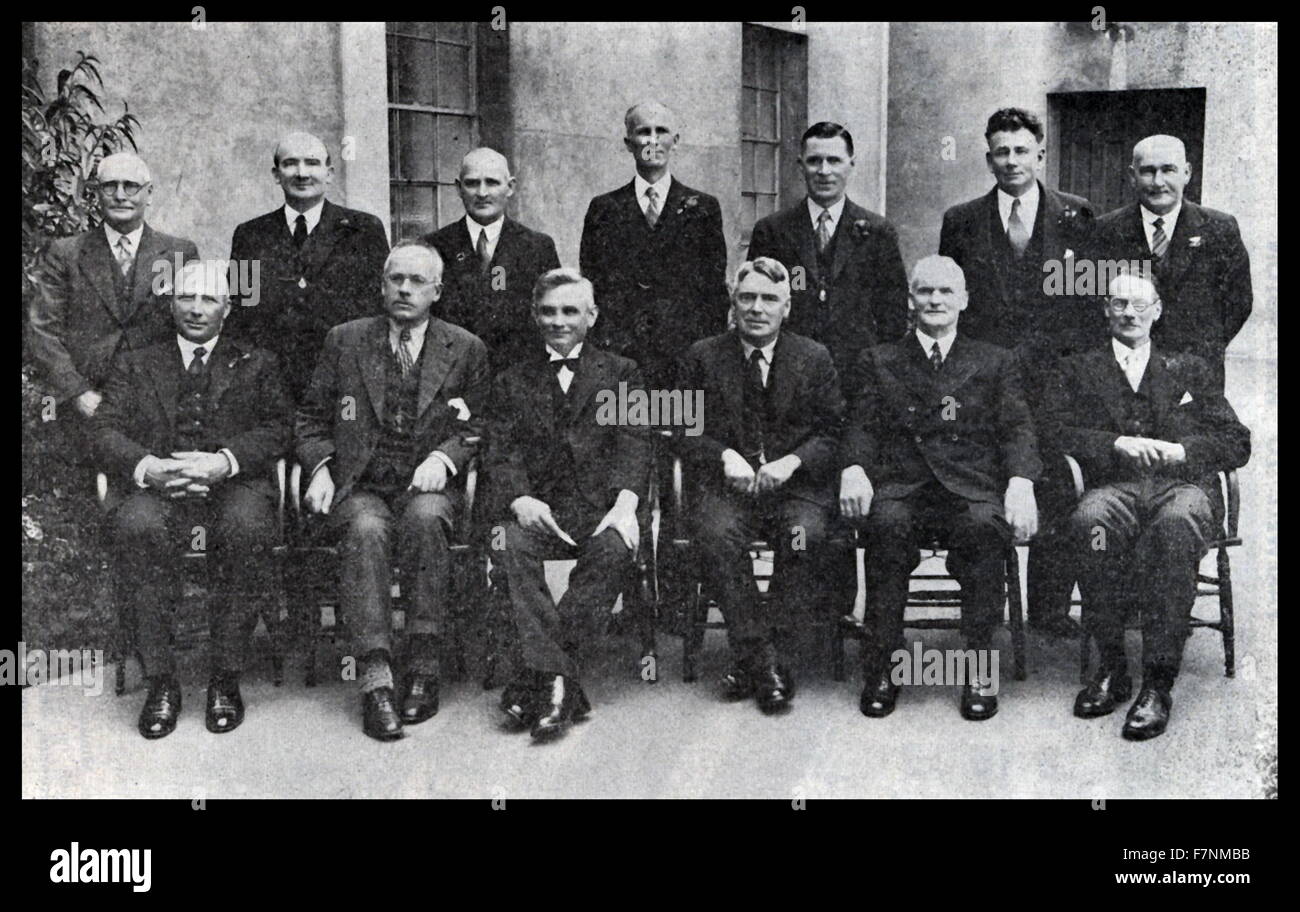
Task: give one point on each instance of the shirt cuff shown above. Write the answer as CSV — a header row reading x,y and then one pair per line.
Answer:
x,y
234,463
319,465
138,474
446,460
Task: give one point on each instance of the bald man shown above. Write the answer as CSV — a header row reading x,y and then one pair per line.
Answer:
x,y
98,295
1151,431
320,263
491,261
191,427
655,252
1201,268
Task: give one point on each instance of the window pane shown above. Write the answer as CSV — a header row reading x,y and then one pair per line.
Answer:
x,y
423,29
394,138
449,205
765,63
767,115
416,217
414,71
746,166
454,140
454,31
453,76
748,112
747,218
415,149
764,168
747,53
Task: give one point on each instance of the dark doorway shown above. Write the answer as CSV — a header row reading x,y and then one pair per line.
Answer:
x,y
1094,134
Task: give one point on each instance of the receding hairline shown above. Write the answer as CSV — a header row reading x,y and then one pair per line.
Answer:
x,y
627,115
1128,279
487,153
211,275
416,245
936,264
124,160
296,134
1143,146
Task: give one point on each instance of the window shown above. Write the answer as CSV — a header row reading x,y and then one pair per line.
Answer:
x,y
773,115
432,120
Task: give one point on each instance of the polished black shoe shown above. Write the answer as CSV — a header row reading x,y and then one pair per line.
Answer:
x,y
379,715
977,705
1106,691
421,700
879,695
225,705
557,705
519,701
161,708
774,688
738,683
1148,715
1057,626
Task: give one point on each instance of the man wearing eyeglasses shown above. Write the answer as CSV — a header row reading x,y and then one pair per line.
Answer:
x,y
97,291
1151,431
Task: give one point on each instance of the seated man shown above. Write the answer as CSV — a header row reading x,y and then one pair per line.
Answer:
x,y
939,442
384,426
765,463
192,426
1151,430
573,483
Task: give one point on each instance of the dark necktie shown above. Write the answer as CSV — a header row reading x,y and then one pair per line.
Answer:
x,y
1159,242
197,366
1017,233
559,363
300,230
481,248
754,408
936,357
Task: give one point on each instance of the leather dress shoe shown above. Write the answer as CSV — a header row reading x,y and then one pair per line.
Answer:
x,y
976,705
1148,715
774,688
379,716
421,700
559,707
225,705
519,701
738,683
879,695
1107,690
1058,626
161,707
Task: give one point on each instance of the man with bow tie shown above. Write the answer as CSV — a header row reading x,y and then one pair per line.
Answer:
x,y
192,426
571,484
1151,431
384,432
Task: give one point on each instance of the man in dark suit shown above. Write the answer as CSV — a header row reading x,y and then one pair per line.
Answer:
x,y
491,261
319,264
655,253
572,480
939,441
849,285
1006,241
1200,266
191,426
389,421
765,463
1151,431
103,291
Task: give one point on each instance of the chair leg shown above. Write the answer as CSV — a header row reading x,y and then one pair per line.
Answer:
x,y
1016,612
1227,622
693,637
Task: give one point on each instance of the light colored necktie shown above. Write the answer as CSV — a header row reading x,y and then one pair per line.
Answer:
x,y
823,231
124,256
1129,364
1017,233
1159,241
404,353
652,206
481,248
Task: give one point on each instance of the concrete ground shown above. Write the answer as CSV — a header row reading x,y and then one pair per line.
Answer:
x,y
671,739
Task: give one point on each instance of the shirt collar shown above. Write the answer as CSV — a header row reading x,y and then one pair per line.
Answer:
x,y
553,355
1028,203
945,344
133,236
493,229
417,333
312,215
766,349
1122,352
661,187
815,210
1170,219
187,347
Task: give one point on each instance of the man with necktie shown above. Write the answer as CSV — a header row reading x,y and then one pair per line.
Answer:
x,y
191,426
571,483
939,442
1151,431
384,432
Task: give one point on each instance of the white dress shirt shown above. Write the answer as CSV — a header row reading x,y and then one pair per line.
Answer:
x,y
1170,220
565,374
132,238
661,191
492,230
945,344
312,216
764,363
1028,207
815,211
1133,361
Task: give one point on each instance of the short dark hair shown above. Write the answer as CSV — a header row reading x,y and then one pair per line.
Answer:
x,y
826,129
1009,120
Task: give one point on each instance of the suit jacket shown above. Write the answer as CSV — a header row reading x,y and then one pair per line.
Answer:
x,y
806,411
1188,408
500,316
77,323
1039,326
658,289
1204,281
341,414
335,278
248,412
607,457
863,300
967,426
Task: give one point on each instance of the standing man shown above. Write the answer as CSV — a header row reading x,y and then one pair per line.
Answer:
x,y
1200,266
491,261
191,426
765,463
1006,241
103,291
1151,431
572,484
939,440
385,430
655,253
319,264
853,293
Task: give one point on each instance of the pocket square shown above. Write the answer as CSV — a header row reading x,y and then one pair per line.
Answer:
x,y
1187,397
462,410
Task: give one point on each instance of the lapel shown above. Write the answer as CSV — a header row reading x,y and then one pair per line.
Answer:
x,y
992,216
912,366
1161,385
846,237
960,365
1179,254
798,228
320,243
165,373
222,367
436,361
628,209
503,254
96,261
592,375
668,211
780,377
1111,382
1050,213
150,249
1133,235
371,356
731,376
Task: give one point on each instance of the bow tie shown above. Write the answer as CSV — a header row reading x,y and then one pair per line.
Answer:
x,y
571,363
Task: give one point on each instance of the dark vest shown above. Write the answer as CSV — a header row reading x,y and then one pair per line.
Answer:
x,y
557,480
1023,277
192,431
395,457
1138,418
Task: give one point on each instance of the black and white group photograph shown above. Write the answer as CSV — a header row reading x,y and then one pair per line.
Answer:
x,y
785,410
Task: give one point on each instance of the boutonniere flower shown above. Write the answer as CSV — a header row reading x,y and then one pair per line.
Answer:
x,y
460,257
861,229
689,203
1194,241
